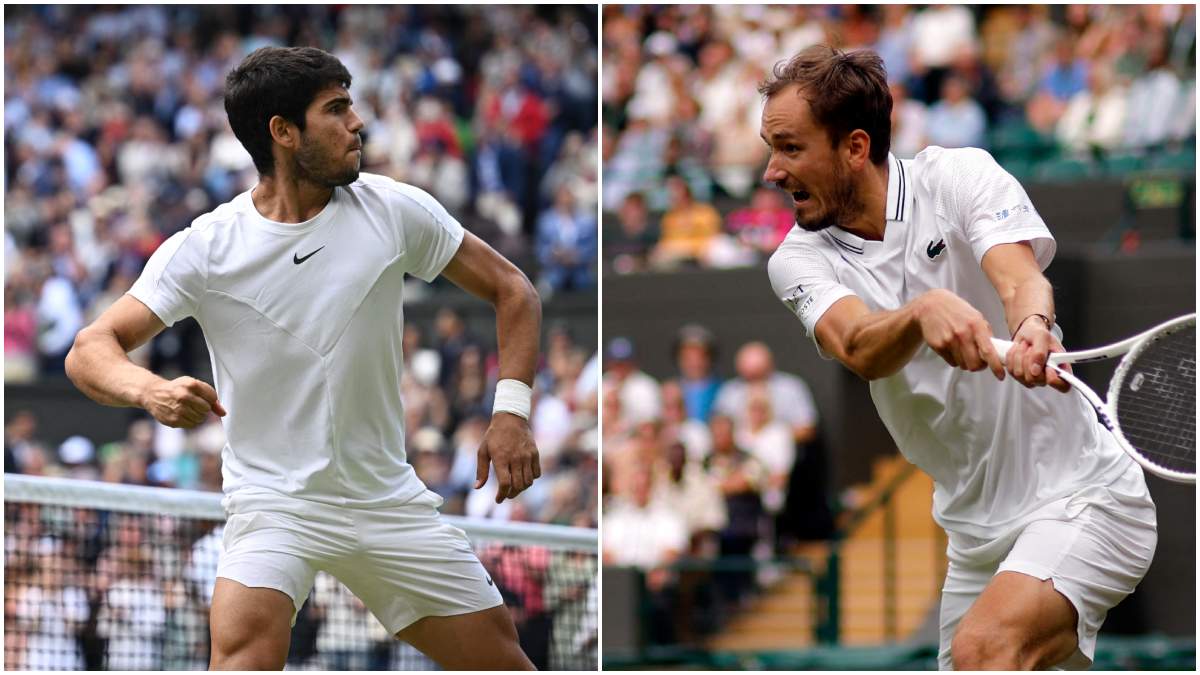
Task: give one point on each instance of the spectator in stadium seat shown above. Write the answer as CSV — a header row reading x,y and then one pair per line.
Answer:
x,y
682,485
570,599
1153,98
1064,76
452,339
347,632
1095,117
639,532
638,392
627,245
957,120
688,227
133,611
910,122
769,441
741,479
695,350
20,330
938,33
59,317
677,427
50,608
566,245
763,224
789,395
19,441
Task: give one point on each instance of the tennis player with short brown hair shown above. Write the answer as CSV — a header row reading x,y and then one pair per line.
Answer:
x,y
903,270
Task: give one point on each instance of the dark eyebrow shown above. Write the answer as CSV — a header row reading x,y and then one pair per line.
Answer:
x,y
336,100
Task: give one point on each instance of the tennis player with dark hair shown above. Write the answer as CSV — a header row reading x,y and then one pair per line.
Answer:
x,y
298,287
903,270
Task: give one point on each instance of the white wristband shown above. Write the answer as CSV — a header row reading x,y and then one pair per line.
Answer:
x,y
513,396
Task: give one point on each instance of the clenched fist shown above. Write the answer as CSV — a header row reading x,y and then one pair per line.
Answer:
x,y
183,402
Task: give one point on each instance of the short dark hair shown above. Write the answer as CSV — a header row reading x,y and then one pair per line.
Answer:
x,y
276,81
844,91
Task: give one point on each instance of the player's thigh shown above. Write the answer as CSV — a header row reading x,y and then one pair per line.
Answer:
x,y
263,578
483,640
1078,568
962,587
251,627
1018,622
411,564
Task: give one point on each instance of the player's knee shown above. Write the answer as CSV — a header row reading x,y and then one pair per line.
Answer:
x,y
985,649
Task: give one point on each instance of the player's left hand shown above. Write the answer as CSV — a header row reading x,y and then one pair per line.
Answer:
x,y
1026,360
508,445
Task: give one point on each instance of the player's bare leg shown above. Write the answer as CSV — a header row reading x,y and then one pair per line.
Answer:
x,y
1019,622
485,640
251,627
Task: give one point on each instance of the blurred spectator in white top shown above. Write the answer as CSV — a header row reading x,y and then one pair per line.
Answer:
x,y
956,121
1155,98
684,487
638,392
938,33
643,533
770,442
910,121
1095,118
790,396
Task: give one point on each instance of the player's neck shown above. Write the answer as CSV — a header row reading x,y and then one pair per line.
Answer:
x,y
872,191
287,199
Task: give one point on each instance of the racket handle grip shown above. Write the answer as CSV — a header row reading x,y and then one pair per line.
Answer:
x,y
1002,347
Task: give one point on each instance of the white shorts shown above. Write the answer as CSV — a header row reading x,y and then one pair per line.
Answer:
x,y
404,563
1095,559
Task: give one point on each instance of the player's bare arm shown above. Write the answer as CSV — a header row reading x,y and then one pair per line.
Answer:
x,y
98,364
1029,309
508,443
878,344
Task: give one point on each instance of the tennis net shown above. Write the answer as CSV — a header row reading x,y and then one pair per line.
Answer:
x,y
101,576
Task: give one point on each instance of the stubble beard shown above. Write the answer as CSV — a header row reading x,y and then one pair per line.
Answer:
x,y
844,206
312,165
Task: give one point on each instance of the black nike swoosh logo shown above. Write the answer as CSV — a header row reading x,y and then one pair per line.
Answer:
x,y
933,250
297,259
489,580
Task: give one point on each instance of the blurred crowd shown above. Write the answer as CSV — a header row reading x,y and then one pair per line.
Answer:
x,y
699,468
101,590
115,137
1030,83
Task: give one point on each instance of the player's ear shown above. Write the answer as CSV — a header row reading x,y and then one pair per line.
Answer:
x,y
858,147
283,132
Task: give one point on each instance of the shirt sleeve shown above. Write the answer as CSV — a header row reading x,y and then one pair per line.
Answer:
x,y
429,235
990,205
805,282
174,278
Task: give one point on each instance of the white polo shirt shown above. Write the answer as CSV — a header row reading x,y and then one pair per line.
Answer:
x,y
1000,454
304,324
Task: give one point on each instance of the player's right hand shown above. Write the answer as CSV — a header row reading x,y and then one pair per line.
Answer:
x,y
184,402
958,332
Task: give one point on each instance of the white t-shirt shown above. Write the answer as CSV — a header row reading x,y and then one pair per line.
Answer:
x,y
1000,454
304,325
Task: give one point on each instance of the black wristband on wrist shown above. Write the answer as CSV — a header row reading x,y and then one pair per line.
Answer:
x,y
1045,319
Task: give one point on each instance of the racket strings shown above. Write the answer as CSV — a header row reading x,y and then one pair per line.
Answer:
x,y
1156,403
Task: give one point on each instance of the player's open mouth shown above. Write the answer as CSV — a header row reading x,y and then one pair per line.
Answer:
x,y
800,196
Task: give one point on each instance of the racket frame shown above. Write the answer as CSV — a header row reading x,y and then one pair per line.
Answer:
x,y
1128,349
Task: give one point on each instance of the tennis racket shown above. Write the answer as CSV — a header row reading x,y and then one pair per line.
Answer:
x,y
1151,406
